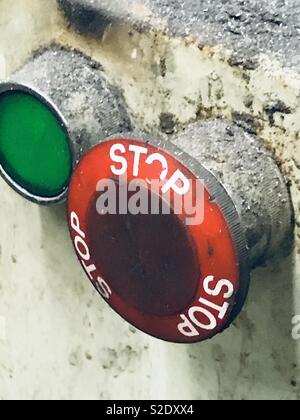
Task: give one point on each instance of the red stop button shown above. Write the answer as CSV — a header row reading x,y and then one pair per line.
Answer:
x,y
159,238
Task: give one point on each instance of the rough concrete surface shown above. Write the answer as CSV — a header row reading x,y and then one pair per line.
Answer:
x,y
57,339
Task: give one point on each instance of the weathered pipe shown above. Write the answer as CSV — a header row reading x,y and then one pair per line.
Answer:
x,y
93,18
84,19
252,179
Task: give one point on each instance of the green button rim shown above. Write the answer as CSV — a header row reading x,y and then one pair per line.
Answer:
x,y
18,87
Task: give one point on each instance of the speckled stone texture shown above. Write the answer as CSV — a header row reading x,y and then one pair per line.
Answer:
x,y
247,27
252,179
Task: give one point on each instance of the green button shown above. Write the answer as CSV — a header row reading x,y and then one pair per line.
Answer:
x,y
34,146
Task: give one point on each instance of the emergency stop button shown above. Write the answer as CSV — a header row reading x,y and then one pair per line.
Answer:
x,y
159,238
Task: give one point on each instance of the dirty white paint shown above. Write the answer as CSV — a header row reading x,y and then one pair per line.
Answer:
x,y
57,338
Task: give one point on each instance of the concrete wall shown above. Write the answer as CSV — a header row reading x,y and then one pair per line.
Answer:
x,y
57,338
